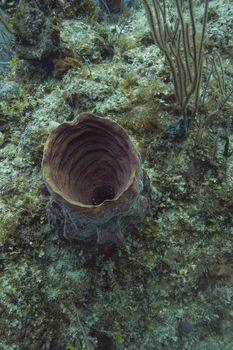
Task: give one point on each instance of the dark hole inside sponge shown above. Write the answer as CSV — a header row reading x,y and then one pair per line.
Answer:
x,y
102,193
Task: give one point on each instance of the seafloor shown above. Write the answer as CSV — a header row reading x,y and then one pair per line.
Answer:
x,y
169,286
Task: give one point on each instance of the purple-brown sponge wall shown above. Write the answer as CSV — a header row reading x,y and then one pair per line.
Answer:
x,y
98,187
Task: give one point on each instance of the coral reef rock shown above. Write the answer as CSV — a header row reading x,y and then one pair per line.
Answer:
x,y
36,37
94,175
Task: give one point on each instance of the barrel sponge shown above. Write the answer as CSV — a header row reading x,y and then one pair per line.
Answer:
x,y
95,178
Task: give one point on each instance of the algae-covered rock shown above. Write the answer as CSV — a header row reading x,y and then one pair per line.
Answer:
x,y
8,88
36,37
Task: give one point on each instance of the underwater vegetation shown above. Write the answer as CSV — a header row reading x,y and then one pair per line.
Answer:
x,y
183,48
168,286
